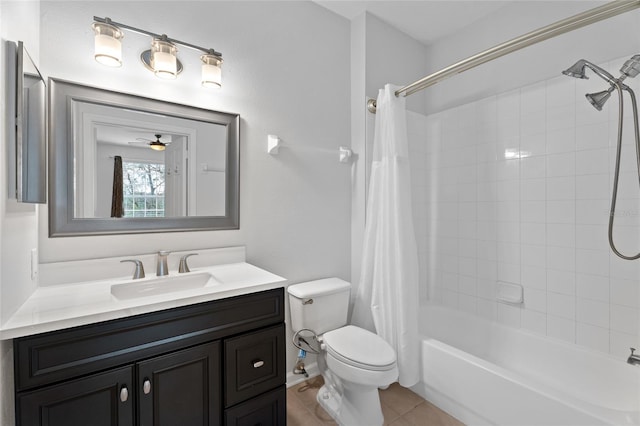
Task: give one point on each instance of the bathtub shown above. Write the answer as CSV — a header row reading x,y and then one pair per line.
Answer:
x,y
484,373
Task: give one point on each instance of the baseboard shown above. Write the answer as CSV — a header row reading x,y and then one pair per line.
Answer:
x,y
294,379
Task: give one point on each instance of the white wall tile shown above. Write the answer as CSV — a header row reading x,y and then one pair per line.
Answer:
x,y
467,303
561,164
592,162
596,338
595,287
534,321
561,234
592,312
533,255
533,211
625,319
561,211
560,139
561,281
589,187
535,300
595,262
509,315
561,328
534,277
561,258
625,292
533,233
592,136
561,305
620,343
487,309
533,189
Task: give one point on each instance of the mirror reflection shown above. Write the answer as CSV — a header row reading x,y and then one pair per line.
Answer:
x,y
137,164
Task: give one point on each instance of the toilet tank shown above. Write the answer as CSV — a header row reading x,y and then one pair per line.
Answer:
x,y
320,305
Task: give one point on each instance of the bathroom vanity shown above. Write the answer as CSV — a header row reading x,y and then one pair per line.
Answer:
x,y
174,353
218,362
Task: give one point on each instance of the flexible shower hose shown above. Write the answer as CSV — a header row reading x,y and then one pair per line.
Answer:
x,y
614,196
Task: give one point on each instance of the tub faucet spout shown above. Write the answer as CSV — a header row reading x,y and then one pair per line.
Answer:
x,y
633,359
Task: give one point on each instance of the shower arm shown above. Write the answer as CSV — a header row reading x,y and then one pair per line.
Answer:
x,y
620,87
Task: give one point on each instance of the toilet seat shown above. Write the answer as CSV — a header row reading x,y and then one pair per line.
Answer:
x,y
360,348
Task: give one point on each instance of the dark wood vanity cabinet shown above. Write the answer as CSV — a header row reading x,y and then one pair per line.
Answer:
x,y
219,362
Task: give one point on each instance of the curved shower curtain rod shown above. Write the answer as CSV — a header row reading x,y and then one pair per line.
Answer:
x,y
580,20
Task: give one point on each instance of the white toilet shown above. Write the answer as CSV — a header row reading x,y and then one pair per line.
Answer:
x,y
353,362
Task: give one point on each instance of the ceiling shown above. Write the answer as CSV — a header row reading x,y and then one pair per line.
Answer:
x,y
423,20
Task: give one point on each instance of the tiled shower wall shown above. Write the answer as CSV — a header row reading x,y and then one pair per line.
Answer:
x,y
516,188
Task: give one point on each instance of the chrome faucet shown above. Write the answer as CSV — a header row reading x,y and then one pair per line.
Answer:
x,y
139,271
161,266
633,359
183,266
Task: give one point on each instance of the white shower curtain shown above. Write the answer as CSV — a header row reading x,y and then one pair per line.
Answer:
x,y
387,297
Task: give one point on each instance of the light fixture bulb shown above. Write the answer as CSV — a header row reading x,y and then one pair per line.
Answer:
x,y
157,146
108,47
163,58
211,70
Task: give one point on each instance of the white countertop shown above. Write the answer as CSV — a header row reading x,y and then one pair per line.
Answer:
x,y
69,305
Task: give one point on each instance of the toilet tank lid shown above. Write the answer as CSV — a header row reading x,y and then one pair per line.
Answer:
x,y
317,288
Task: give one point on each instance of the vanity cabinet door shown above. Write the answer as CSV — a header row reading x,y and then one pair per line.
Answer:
x,y
268,409
104,399
181,388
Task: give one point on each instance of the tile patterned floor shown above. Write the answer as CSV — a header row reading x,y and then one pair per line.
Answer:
x,y
400,407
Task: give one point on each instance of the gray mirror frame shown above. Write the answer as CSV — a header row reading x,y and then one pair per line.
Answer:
x,y
61,221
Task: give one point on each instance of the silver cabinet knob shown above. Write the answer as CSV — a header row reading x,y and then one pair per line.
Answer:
x,y
258,363
124,394
146,386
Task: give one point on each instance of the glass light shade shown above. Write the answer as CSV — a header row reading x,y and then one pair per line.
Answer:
x,y
108,47
163,59
211,71
157,146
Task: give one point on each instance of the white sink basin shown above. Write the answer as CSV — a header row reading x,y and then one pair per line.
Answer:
x,y
169,284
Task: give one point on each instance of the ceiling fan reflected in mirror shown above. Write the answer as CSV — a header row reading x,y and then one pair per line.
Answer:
x,y
156,145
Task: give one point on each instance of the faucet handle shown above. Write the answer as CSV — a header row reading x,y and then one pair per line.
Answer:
x,y
632,350
183,266
139,271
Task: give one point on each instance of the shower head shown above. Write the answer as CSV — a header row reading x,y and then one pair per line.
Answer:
x,y
600,98
577,70
631,67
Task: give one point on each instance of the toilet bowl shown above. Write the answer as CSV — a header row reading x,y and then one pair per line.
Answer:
x,y
358,363
353,362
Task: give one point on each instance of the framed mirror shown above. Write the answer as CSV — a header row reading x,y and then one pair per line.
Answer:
x,y
26,105
122,163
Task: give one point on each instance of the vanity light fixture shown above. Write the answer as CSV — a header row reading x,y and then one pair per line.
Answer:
x,y
108,45
161,59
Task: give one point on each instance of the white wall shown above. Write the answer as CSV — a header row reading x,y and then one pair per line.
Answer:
x,y
18,223
539,220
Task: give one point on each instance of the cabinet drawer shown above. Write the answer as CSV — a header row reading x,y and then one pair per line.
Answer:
x,y
255,363
269,409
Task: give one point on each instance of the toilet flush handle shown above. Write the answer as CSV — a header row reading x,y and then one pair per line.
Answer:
x,y
307,302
